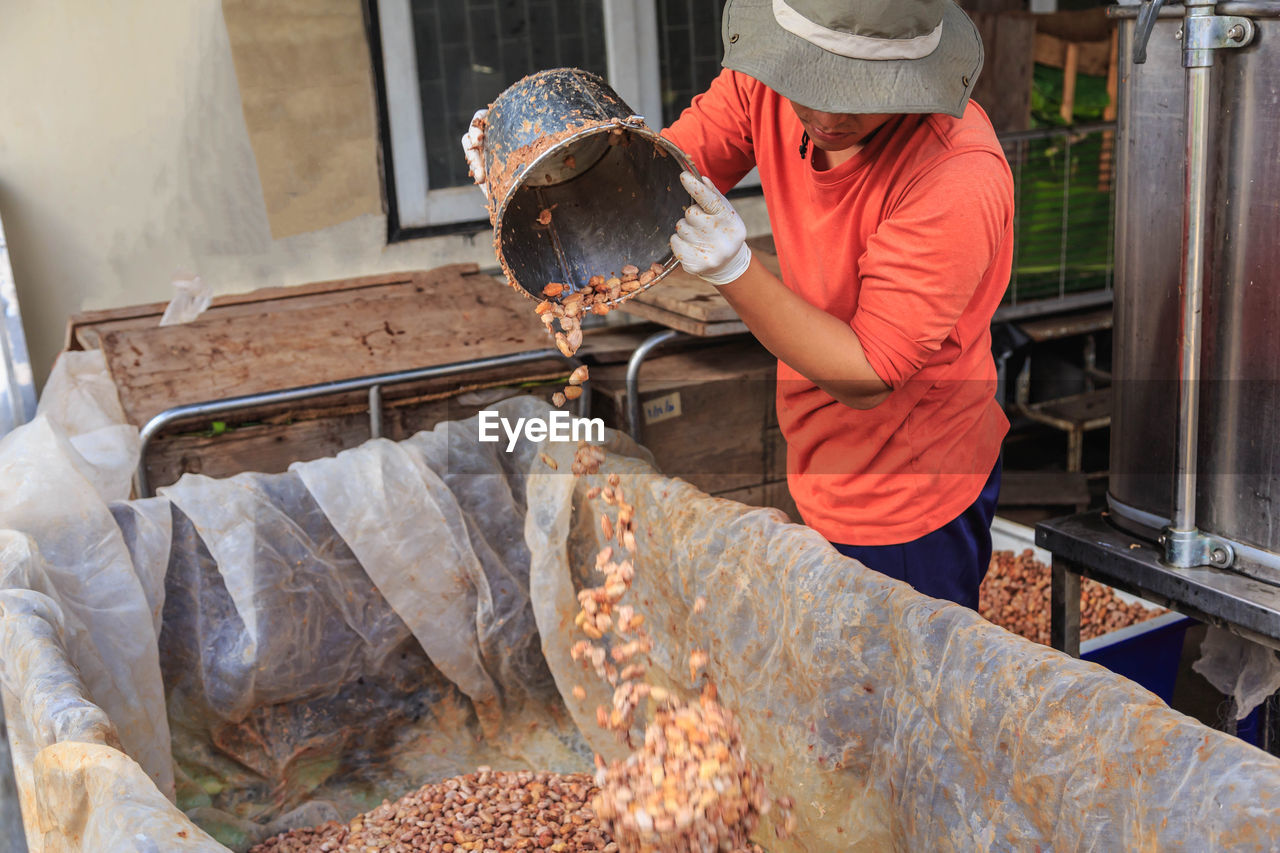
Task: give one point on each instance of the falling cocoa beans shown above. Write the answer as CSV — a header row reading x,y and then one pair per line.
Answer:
x,y
564,306
688,785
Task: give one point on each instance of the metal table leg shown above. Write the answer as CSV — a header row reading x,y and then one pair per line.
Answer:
x,y
1064,607
647,346
1269,724
375,411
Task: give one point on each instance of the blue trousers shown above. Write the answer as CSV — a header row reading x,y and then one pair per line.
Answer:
x,y
948,563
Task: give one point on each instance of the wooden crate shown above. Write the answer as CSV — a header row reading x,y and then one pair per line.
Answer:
x,y
282,338
1079,42
710,416
286,337
1003,89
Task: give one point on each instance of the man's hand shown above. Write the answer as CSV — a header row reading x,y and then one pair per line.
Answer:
x,y
710,241
473,149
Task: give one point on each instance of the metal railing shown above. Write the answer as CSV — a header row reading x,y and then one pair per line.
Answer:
x,y
1064,218
373,385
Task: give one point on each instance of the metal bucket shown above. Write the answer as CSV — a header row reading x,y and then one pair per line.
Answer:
x,y
578,185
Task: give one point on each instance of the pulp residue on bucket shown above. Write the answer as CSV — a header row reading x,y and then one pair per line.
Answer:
x,y
578,154
578,185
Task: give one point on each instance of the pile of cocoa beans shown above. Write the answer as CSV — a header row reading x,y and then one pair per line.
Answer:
x,y
484,811
1015,596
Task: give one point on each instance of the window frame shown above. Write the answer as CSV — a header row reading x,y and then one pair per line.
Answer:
x,y
413,208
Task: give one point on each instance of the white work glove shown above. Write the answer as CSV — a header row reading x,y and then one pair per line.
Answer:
x,y
473,150
710,241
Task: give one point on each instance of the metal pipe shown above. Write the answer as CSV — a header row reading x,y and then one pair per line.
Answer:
x,y
213,407
1039,133
1251,8
1255,9
1066,218
1018,159
375,411
1194,227
633,376
1264,564
1070,302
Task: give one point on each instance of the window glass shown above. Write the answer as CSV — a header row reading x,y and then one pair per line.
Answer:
x,y
689,50
469,51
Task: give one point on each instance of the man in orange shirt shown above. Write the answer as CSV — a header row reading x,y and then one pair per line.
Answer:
x,y
891,206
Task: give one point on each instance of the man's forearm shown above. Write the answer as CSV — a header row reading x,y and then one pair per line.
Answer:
x,y
822,348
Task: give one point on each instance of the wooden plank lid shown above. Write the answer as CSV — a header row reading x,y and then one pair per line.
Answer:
x,y
289,337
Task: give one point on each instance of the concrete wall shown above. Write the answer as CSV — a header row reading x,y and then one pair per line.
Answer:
x,y
125,156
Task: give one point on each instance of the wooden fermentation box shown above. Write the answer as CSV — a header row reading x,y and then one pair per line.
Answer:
x,y
288,337
708,416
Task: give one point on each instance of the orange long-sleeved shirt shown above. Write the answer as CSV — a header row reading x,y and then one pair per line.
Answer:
x,y
911,243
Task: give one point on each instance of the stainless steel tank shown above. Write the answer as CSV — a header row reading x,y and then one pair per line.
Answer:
x,y
1238,464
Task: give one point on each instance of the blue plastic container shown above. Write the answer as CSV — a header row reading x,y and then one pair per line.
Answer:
x,y
1247,729
1148,653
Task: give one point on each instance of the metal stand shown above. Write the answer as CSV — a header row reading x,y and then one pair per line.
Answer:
x,y
1087,545
1064,608
373,384
1078,413
1269,724
647,346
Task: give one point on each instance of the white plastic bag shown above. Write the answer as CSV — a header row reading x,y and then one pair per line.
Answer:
x,y
82,403
191,296
1243,670
57,475
295,691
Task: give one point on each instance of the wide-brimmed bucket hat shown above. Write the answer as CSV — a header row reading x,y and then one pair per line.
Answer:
x,y
857,56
